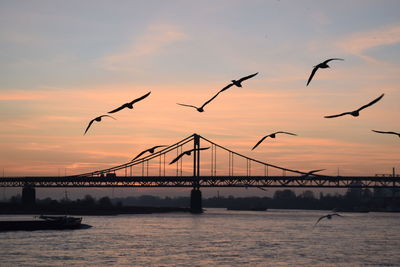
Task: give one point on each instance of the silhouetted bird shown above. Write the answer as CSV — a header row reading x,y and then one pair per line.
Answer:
x,y
98,119
312,172
238,83
130,104
150,150
273,135
328,216
322,65
201,109
189,152
382,132
356,113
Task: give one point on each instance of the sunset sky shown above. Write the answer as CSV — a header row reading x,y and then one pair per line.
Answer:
x,y
65,62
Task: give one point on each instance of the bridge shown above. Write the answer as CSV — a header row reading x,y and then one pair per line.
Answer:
x,y
201,166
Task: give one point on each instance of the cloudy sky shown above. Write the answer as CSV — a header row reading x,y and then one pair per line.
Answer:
x,y
63,63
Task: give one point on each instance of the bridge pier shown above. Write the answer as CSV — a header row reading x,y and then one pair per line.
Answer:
x,y
195,201
28,195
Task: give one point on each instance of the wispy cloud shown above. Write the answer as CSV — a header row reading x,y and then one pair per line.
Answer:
x,y
156,38
358,43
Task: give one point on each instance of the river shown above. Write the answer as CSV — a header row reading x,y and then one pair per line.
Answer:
x,y
216,238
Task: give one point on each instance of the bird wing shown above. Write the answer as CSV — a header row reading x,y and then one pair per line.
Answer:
x,y
326,61
312,74
118,109
90,124
141,153
226,87
154,147
140,98
314,171
247,77
108,116
285,133
371,103
337,115
202,148
178,157
382,132
211,99
336,214
187,105
259,142
320,218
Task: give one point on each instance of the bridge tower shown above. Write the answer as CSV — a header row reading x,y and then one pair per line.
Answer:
x,y
195,194
28,194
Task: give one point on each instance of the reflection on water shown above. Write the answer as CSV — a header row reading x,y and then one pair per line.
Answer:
x,y
218,237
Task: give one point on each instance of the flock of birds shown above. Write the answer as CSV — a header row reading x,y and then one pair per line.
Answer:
x,y
238,83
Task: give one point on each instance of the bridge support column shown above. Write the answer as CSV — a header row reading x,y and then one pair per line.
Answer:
x,y
195,201
28,195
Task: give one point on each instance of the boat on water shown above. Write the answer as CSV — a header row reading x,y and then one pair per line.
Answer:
x,y
44,223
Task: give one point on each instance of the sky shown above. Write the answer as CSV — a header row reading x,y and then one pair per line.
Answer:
x,y
63,63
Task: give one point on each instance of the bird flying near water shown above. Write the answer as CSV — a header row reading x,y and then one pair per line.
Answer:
x,y
150,150
322,65
130,104
328,216
273,135
98,119
189,152
383,132
356,113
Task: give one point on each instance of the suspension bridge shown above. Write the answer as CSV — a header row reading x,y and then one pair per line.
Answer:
x,y
216,166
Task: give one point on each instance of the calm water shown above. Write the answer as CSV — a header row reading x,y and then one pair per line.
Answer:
x,y
216,238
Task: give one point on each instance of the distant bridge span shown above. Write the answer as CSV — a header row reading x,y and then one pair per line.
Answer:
x,y
205,170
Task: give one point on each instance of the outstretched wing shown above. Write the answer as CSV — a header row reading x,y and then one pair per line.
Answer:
x,y
312,74
247,77
90,124
286,133
118,109
382,132
154,147
108,116
141,153
259,142
337,115
314,171
371,103
226,87
141,98
185,105
211,99
320,218
326,61
336,214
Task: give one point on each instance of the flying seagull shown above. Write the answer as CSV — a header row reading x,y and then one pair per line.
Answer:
x,y
322,65
382,132
201,109
356,113
187,153
328,216
312,172
98,119
273,135
238,83
150,150
130,104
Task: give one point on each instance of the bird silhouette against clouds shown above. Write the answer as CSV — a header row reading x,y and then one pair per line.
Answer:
x,y
383,132
273,135
201,109
238,83
356,113
328,216
322,65
189,152
130,104
150,150
98,119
